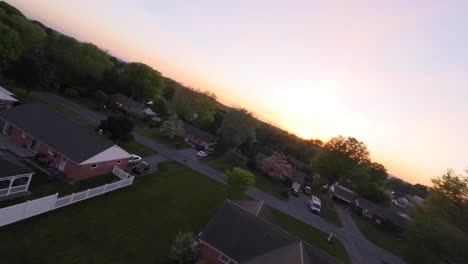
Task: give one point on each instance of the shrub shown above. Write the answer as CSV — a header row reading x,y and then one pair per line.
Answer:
x,y
183,249
72,93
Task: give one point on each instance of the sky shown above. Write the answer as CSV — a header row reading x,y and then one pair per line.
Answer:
x,y
393,74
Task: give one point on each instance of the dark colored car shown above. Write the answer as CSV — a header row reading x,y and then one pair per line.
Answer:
x,y
141,168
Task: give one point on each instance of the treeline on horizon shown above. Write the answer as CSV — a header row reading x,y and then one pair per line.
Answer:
x,y
37,57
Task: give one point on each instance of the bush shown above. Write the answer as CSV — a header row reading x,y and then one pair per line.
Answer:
x,y
100,97
82,91
183,249
72,93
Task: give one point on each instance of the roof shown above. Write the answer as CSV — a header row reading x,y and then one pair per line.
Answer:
x,y
297,163
260,157
299,176
198,133
129,103
7,95
344,193
56,131
371,207
8,168
248,239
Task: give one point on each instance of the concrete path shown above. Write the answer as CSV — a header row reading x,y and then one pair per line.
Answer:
x,y
359,249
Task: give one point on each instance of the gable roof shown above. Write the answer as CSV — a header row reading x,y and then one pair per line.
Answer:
x,y
56,131
249,239
130,104
8,168
7,95
371,207
299,176
344,193
198,133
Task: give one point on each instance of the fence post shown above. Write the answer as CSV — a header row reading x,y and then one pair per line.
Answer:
x,y
52,203
72,197
24,209
105,188
87,193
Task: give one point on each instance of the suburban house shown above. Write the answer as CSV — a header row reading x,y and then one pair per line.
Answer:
x,y
298,177
342,194
379,214
238,233
199,137
76,151
14,179
7,98
131,106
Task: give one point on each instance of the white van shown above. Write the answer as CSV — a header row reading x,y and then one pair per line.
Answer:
x,y
315,204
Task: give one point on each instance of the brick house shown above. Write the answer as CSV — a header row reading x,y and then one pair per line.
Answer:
x,y
199,137
7,98
76,151
240,233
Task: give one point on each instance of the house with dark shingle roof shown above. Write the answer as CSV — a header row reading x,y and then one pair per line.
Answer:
x,y
129,105
343,194
239,234
14,179
76,151
199,137
380,214
7,98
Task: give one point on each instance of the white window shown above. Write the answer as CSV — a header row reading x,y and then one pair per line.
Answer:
x,y
119,161
93,166
23,135
51,152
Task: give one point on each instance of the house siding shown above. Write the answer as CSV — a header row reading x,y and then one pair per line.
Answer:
x,y
208,254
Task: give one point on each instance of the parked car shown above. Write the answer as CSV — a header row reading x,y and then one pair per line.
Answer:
x,y
307,190
295,188
141,168
134,159
202,154
315,204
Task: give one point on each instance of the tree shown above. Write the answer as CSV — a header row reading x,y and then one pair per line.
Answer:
x,y
119,127
170,87
183,249
373,192
378,173
100,98
431,240
350,147
448,199
10,45
161,106
238,127
141,82
240,179
277,167
172,127
192,104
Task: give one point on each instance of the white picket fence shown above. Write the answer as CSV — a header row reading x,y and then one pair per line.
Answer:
x,y
120,173
27,209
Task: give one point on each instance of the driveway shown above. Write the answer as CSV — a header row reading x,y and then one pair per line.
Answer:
x,y
153,161
359,249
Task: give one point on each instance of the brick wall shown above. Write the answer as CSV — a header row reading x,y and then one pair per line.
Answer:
x,y
81,172
208,254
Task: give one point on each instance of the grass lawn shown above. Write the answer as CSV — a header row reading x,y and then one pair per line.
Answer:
x,y
153,133
380,237
135,224
262,182
52,105
311,235
327,212
136,148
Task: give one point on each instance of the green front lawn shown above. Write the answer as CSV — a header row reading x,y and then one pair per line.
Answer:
x,y
136,148
381,237
311,235
133,225
262,182
153,133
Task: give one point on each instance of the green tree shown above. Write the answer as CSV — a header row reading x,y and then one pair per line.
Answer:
x,y
183,249
100,98
170,87
10,45
350,147
31,34
240,179
191,104
238,127
378,173
141,82
431,240
161,106
119,127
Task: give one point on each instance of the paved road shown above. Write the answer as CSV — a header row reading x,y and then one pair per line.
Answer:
x,y
359,249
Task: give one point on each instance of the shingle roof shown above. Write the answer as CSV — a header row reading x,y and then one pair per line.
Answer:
x,y
198,133
8,168
249,239
299,176
55,130
344,193
371,207
7,95
129,103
